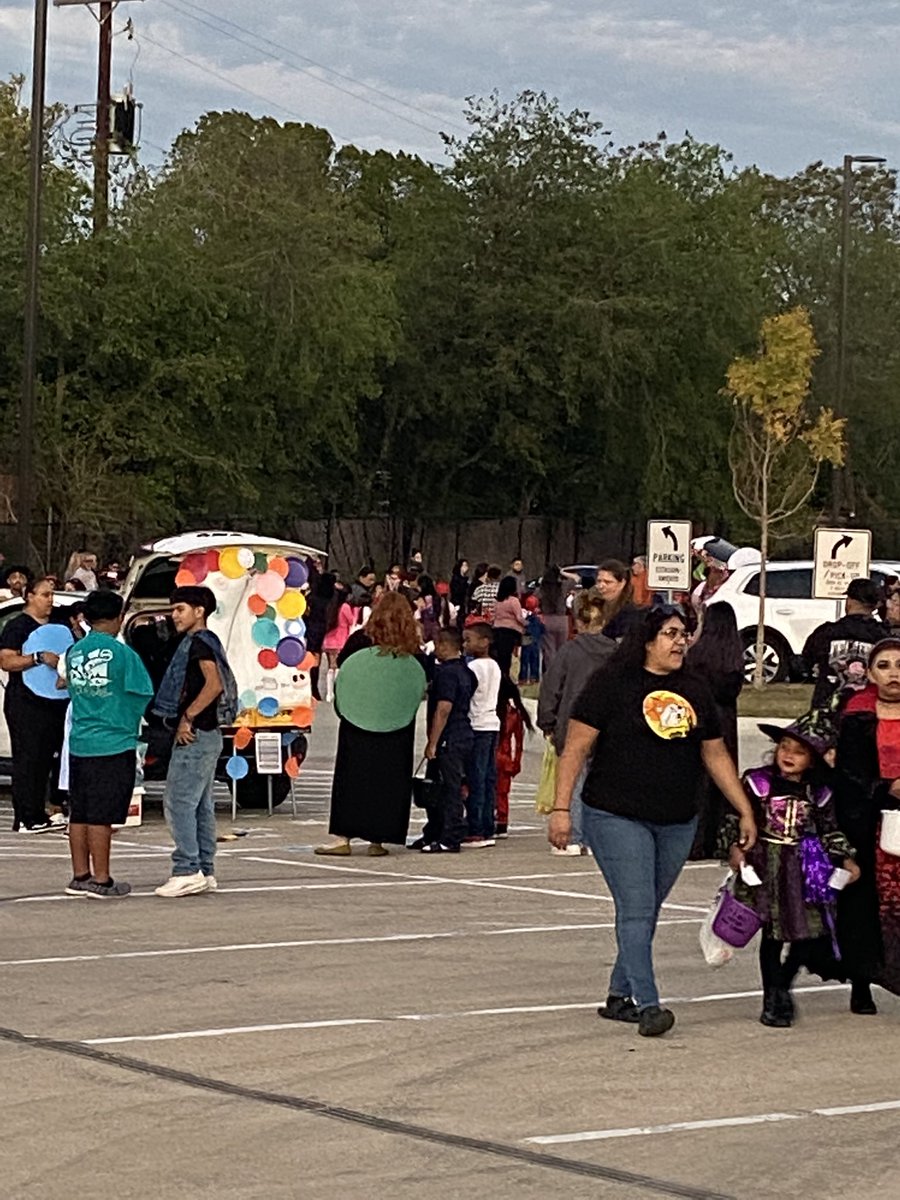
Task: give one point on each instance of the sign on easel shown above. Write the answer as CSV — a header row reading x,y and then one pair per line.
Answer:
x,y
669,556
842,555
268,752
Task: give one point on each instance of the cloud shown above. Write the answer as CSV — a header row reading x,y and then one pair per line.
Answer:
x,y
779,82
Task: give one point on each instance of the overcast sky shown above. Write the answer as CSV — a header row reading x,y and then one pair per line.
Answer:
x,y
780,83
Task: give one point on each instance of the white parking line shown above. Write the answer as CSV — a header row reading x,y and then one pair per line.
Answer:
x,y
594,896
517,1010
262,887
241,947
600,1135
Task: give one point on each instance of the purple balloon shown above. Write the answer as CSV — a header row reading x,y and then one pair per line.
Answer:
x,y
290,651
297,573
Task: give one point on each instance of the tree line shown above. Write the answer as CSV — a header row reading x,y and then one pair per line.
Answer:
x,y
275,327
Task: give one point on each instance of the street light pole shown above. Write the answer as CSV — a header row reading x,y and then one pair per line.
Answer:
x,y
841,481
25,505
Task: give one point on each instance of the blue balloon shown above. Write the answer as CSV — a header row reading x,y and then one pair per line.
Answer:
x,y
268,707
237,767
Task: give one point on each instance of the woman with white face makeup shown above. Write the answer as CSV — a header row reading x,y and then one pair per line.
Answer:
x,y
868,763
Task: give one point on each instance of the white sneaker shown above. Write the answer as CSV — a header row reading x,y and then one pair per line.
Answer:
x,y
183,885
570,851
211,885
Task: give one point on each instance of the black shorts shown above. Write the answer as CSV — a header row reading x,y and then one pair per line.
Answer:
x,y
100,788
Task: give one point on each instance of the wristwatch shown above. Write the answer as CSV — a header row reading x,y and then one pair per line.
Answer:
x,y
38,657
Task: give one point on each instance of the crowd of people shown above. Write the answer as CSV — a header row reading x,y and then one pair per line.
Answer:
x,y
75,700
638,706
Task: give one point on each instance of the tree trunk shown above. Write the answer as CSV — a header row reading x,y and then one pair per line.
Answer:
x,y
758,680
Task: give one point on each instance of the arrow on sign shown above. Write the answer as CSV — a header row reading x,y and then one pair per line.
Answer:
x,y
669,533
841,545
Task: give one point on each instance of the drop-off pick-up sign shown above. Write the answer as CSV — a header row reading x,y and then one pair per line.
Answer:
x,y
841,556
669,556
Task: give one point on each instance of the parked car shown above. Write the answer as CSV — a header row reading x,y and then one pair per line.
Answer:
x,y
585,572
791,612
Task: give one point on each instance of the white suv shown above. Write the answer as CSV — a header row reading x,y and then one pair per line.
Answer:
x,y
791,612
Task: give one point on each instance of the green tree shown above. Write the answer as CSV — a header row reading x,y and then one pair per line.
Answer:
x,y
779,441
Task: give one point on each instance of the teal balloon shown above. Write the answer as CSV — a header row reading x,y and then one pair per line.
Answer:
x,y
237,767
261,561
265,633
248,699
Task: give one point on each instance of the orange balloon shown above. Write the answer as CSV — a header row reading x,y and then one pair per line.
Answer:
x,y
243,737
279,565
291,767
309,661
185,579
302,716
257,605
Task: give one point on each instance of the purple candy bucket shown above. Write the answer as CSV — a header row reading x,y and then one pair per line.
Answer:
x,y
734,922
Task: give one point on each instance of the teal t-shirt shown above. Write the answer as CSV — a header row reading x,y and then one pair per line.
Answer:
x,y
109,687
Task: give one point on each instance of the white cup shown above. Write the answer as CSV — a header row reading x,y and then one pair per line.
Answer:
x,y
839,879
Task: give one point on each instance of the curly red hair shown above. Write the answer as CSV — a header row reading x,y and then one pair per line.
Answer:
x,y
392,626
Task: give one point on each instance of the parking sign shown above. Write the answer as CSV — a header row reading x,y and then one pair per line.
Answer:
x,y
669,556
841,556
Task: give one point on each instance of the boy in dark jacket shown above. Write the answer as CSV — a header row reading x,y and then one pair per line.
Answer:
x,y
449,745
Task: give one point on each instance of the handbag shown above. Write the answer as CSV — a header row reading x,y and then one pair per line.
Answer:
x,y
735,923
545,798
423,788
889,839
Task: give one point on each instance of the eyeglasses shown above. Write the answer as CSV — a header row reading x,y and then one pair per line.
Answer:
x,y
676,635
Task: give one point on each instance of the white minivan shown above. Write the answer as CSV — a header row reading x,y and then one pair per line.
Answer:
x,y
260,584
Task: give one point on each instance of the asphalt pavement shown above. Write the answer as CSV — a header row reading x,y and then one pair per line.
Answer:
x,y
406,1027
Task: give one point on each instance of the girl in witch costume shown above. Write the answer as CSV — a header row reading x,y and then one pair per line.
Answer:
x,y
799,846
868,781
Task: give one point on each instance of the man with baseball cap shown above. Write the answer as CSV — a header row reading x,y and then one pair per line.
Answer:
x,y
836,654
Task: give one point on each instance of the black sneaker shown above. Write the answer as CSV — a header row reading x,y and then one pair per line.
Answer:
x,y
40,827
77,887
619,1008
107,891
418,844
861,1000
439,848
654,1021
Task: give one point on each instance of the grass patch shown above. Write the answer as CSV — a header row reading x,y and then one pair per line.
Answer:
x,y
780,700
775,700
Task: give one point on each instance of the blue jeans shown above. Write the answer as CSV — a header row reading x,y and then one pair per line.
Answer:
x,y
576,809
188,803
640,861
482,779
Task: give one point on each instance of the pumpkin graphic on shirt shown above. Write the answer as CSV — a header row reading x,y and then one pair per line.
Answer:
x,y
669,715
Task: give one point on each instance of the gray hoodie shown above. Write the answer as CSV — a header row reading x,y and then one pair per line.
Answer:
x,y
565,680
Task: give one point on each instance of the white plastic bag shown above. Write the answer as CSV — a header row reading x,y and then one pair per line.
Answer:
x,y
890,831
716,952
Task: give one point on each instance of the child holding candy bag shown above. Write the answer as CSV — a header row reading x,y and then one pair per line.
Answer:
x,y
795,860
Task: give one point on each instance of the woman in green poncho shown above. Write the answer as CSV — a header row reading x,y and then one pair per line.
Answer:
x,y
378,690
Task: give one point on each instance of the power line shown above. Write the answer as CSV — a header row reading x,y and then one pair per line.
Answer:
x,y
217,28
224,78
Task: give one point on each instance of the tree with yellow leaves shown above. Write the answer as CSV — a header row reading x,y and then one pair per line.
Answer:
x,y
779,441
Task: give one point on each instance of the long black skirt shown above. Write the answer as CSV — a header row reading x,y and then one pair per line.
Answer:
x,y
371,794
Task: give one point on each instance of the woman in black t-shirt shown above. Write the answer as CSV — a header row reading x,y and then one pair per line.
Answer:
x,y
651,728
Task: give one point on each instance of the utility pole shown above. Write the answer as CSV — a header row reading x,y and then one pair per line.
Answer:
x,y
842,489
25,505
104,103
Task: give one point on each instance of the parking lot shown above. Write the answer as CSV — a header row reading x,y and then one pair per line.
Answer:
x,y
405,1027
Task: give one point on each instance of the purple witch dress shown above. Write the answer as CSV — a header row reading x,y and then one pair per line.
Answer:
x,y
799,845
